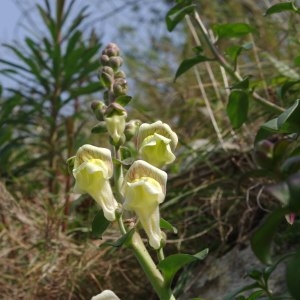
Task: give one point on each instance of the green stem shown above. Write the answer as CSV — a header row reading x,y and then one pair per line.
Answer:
x,y
155,277
228,68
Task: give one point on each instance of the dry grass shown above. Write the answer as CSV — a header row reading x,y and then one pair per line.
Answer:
x,y
39,263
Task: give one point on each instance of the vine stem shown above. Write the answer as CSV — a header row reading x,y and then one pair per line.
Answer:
x,y
227,67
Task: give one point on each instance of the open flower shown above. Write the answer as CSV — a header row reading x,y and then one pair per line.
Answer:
x,y
156,143
106,295
92,169
144,188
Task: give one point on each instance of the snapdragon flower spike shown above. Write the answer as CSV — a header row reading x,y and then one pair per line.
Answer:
x,y
92,169
156,143
144,188
106,295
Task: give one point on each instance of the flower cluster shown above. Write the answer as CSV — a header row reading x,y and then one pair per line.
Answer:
x,y
143,188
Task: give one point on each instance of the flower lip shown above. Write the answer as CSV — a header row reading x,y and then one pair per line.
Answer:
x,y
157,127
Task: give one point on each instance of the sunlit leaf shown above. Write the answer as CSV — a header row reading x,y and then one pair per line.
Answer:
x,y
237,108
232,30
177,13
189,63
280,7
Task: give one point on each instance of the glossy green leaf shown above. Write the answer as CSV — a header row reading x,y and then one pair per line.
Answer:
x,y
237,108
168,226
99,225
189,63
280,7
177,13
261,241
293,275
232,30
173,263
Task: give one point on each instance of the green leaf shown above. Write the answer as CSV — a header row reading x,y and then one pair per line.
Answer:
x,y
232,30
166,225
173,263
237,108
189,63
289,120
234,51
99,128
293,275
99,225
280,7
177,13
261,241
294,192
123,100
241,85
266,130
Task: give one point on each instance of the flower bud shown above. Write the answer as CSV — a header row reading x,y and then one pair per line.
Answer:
x,y
120,87
120,74
115,62
107,76
131,129
104,60
98,108
115,118
111,50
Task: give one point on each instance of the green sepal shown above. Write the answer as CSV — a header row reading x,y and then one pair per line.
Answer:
x,y
123,100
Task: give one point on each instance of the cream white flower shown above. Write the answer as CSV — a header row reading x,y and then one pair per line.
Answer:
x,y
115,125
144,188
106,295
92,169
156,143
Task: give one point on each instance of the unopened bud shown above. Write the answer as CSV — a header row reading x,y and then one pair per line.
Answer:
x,y
104,60
107,76
98,108
131,129
111,50
120,87
120,74
115,62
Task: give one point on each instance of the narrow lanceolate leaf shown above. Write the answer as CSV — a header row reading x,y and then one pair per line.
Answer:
x,y
189,63
99,225
237,108
232,30
177,13
280,7
168,226
173,263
